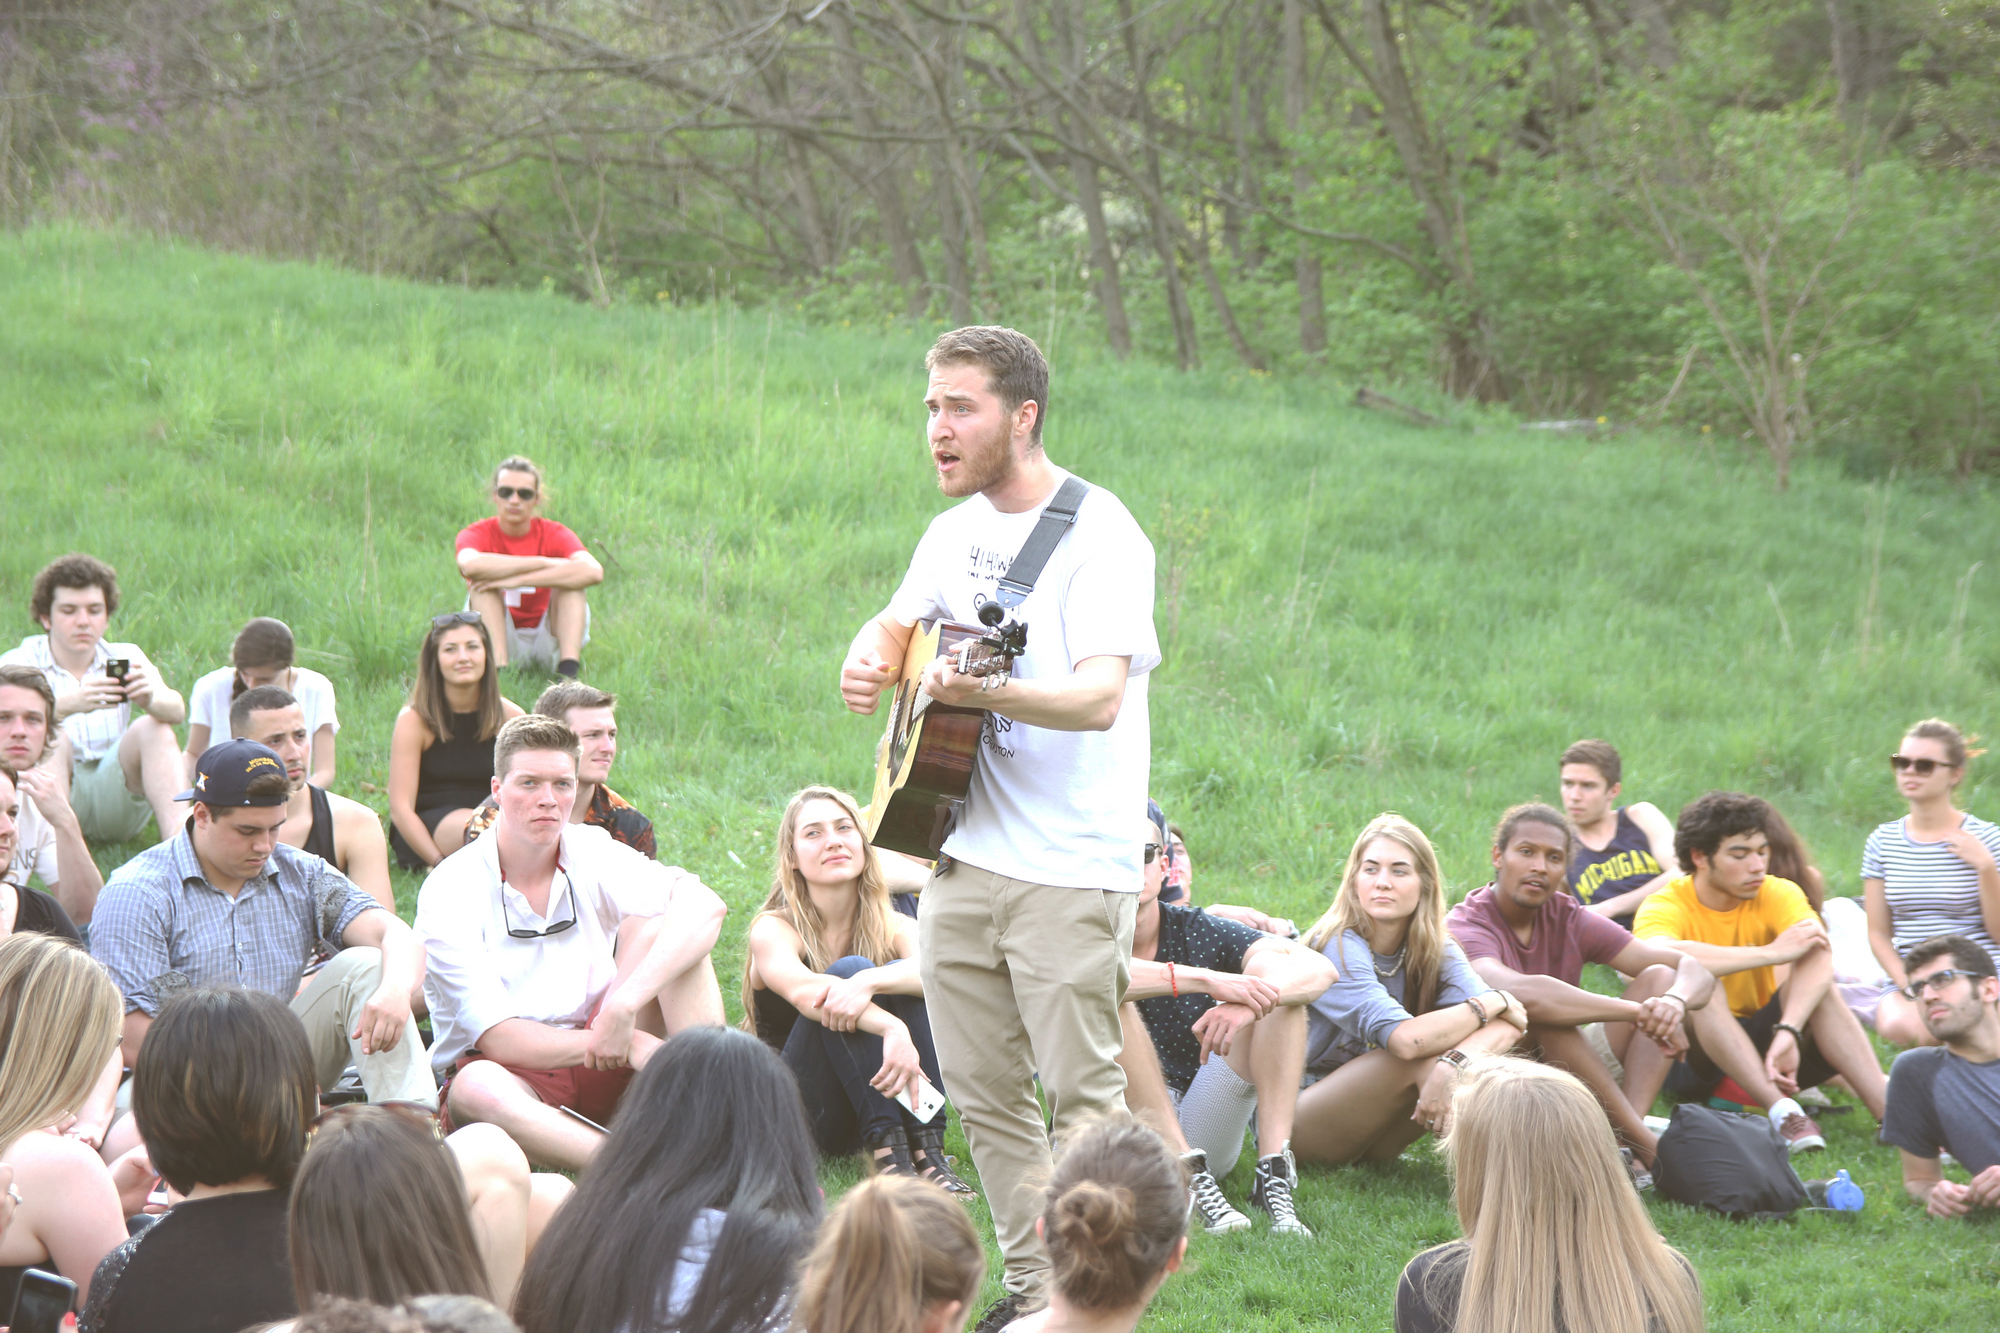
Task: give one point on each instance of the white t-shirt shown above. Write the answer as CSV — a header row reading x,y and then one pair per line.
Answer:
x,y
94,734
208,702
1051,807
34,847
477,975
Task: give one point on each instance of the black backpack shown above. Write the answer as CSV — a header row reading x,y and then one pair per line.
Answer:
x,y
1736,1165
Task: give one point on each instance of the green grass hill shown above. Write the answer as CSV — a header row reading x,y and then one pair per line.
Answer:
x,y
1357,615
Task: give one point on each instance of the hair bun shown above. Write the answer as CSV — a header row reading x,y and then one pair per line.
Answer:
x,y
1093,1214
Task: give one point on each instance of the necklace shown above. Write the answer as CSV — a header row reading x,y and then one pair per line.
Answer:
x,y
1382,971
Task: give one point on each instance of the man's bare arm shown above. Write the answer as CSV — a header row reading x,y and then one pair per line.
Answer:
x,y
1554,1002
874,660
1086,700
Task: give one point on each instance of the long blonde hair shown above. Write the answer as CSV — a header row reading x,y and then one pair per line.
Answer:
x,y
1425,943
874,934
893,1250
1554,1228
59,1023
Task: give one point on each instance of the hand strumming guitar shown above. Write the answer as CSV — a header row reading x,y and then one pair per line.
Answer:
x,y
863,677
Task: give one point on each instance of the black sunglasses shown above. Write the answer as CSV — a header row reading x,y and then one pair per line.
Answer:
x,y
1923,768
450,618
509,492
1152,850
1936,981
517,932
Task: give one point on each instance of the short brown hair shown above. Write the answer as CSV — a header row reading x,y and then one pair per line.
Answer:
x,y
1600,755
379,1212
1534,812
558,699
24,677
532,731
1116,1206
224,1088
1015,368
75,570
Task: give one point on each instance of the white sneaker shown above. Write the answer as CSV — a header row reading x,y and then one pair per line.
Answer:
x,y
1218,1216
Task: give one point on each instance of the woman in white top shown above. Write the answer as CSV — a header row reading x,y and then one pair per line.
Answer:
x,y
1936,871
262,655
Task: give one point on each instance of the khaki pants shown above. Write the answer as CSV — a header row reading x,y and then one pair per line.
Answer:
x,y
330,1007
1023,979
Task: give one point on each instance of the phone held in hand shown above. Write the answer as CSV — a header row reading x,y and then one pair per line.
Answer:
x,y
925,1103
42,1303
117,668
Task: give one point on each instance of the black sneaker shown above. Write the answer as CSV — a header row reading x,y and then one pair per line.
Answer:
x,y
1218,1216
1005,1311
1271,1189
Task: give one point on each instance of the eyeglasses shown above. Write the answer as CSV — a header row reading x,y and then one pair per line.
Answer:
x,y
1152,850
509,492
1923,768
1936,981
450,618
519,933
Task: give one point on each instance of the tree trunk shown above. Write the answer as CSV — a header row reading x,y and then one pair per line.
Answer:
x,y
1305,264
882,180
1103,260
1186,343
951,234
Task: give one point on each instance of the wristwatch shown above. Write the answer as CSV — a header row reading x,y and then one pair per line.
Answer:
x,y
1456,1058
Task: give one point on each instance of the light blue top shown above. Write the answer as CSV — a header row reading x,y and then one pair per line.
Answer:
x,y
1360,1011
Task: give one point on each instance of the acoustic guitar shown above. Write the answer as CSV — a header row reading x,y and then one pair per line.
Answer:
x,y
923,767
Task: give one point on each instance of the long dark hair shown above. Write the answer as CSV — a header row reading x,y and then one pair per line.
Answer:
x,y
713,1121
428,699
379,1212
1791,858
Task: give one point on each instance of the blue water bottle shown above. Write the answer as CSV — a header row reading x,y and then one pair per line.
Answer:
x,y
1844,1194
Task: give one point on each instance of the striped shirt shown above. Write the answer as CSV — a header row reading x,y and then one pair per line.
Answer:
x,y
94,734
161,926
1930,891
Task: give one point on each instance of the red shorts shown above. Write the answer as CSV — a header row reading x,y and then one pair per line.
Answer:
x,y
590,1092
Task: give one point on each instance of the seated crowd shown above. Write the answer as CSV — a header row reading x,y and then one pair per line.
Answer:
x,y
182,1046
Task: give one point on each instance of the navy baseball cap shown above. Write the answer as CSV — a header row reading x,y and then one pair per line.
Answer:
x,y
222,775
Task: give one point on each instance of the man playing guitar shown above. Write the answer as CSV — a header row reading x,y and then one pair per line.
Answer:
x,y
1025,931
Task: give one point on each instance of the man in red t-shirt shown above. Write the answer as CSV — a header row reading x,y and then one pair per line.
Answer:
x,y
526,576
1524,933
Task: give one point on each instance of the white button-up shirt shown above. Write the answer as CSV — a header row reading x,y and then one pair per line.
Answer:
x,y
94,734
477,975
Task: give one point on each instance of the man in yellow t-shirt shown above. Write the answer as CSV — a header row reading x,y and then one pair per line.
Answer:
x,y
1741,924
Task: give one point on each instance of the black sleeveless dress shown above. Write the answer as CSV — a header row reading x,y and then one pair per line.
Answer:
x,y
455,774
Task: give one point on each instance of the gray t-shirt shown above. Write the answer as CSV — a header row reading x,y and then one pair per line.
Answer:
x,y
1938,1100
1360,1010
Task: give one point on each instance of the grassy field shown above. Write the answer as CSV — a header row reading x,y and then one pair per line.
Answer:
x,y
1357,616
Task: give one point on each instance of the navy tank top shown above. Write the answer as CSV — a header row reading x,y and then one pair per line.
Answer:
x,y
1626,862
319,838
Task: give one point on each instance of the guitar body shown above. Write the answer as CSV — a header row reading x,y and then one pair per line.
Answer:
x,y
924,766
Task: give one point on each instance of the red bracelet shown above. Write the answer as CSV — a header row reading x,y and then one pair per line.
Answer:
x,y
1173,981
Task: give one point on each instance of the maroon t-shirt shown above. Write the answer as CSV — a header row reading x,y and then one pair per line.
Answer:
x,y
1566,936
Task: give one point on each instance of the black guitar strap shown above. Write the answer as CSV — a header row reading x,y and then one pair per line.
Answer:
x,y
1056,520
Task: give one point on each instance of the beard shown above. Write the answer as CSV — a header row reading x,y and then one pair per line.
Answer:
x,y
982,464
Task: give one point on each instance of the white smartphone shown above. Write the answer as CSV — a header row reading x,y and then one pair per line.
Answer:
x,y
926,1101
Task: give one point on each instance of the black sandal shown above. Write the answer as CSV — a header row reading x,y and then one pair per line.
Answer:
x,y
927,1144
889,1155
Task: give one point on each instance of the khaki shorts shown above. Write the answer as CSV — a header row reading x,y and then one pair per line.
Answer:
x,y
104,808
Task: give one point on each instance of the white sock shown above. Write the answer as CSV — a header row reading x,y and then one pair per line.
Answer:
x,y
1783,1107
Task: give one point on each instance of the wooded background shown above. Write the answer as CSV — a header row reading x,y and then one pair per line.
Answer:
x,y
1770,219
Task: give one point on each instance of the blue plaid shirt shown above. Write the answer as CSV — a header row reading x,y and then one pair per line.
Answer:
x,y
161,926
